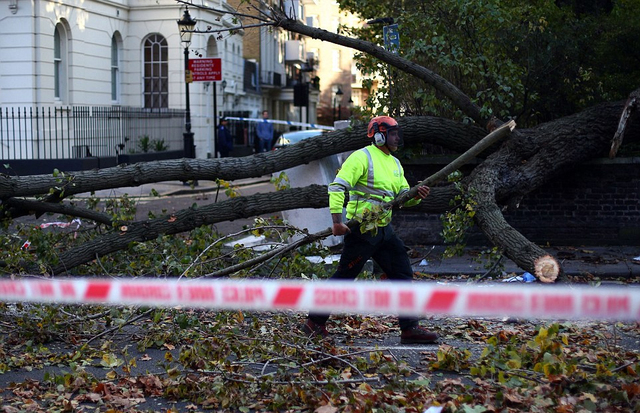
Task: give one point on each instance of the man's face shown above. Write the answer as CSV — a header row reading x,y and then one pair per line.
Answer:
x,y
393,139
265,114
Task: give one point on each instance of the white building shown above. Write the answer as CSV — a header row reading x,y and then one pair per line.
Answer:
x,y
128,53
117,52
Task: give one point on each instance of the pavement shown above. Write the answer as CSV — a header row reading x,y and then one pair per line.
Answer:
x,y
604,262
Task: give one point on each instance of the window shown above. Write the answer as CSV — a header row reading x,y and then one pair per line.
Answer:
x,y
156,72
335,60
356,96
354,73
212,47
115,69
60,62
312,21
335,24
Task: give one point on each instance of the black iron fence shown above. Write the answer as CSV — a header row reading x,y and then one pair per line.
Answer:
x,y
45,133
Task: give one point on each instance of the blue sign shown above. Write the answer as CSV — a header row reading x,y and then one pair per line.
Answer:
x,y
391,38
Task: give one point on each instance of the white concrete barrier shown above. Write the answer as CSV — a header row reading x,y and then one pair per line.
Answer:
x,y
321,172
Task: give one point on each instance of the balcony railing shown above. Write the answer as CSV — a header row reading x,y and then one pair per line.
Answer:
x,y
270,78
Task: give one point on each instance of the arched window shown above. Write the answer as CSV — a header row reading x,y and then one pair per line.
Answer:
x,y
156,72
60,77
212,47
115,67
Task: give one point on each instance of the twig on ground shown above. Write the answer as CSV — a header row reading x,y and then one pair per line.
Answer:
x,y
490,270
130,321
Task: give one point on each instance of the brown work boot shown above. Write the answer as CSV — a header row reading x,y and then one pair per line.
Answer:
x,y
314,330
418,335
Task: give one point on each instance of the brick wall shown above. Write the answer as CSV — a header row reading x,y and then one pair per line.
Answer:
x,y
595,204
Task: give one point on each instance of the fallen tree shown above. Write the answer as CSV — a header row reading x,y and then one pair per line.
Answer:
x,y
530,159
526,161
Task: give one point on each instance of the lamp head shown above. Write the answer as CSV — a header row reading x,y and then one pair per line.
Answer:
x,y
186,26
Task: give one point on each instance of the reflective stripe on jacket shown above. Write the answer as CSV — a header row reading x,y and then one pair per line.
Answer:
x,y
371,177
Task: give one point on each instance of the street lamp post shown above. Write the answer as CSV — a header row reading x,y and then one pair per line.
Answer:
x,y
186,26
337,97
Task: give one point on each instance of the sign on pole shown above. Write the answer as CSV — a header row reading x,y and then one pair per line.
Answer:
x,y
391,38
206,70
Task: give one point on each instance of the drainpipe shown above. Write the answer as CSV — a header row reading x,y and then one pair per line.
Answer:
x,y
36,55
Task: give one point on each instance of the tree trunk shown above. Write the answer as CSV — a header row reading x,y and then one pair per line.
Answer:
x,y
439,131
529,160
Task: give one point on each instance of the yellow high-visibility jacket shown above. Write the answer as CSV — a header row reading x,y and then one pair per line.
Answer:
x,y
371,177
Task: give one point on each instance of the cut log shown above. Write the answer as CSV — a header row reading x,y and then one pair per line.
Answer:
x,y
547,269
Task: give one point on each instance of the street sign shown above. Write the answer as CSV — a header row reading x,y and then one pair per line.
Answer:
x,y
391,38
206,70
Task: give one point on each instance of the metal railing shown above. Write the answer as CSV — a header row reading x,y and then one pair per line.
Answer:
x,y
84,131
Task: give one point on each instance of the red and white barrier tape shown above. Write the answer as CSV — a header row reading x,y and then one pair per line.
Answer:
x,y
364,297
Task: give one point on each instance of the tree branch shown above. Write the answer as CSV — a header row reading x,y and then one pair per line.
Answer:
x,y
314,196
630,109
438,131
18,207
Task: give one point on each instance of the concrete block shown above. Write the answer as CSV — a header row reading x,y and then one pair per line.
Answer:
x,y
313,220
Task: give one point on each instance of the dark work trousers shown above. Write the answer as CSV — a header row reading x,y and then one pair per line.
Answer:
x,y
386,249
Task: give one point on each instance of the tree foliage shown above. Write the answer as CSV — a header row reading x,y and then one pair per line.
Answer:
x,y
535,61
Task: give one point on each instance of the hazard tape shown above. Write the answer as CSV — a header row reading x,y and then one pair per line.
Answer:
x,y
363,297
282,122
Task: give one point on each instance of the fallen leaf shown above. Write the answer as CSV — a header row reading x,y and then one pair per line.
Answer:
x,y
89,397
101,389
327,408
513,398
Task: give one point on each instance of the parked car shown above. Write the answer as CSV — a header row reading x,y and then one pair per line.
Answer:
x,y
289,138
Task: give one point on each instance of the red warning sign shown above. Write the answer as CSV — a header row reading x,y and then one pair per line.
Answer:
x,y
206,70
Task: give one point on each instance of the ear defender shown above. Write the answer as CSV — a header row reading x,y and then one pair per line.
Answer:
x,y
378,137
